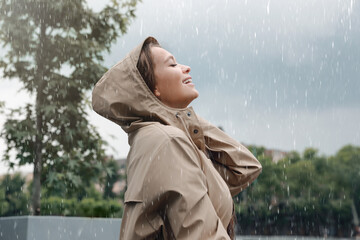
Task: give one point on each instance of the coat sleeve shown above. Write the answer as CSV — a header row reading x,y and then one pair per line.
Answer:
x,y
235,163
176,188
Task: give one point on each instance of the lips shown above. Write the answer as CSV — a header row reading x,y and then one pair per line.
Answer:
x,y
187,80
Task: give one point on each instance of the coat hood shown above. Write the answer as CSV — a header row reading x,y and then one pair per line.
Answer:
x,y
122,96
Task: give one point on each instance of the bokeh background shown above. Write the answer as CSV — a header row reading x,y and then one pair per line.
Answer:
x,y
282,74
282,77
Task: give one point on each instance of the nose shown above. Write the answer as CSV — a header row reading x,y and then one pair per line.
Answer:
x,y
185,69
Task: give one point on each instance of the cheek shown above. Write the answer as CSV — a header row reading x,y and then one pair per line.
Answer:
x,y
171,81
168,81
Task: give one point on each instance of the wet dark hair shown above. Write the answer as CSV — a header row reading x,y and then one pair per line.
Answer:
x,y
145,64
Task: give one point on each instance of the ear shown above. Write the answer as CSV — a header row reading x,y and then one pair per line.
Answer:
x,y
157,92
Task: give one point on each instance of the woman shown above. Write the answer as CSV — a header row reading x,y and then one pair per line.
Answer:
x,y
181,171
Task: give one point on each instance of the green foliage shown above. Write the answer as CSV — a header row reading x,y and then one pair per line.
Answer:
x,y
112,176
346,165
106,208
293,157
19,135
302,194
257,151
2,106
55,49
87,207
300,197
13,199
310,153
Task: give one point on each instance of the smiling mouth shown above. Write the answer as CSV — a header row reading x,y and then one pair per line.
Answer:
x,y
187,81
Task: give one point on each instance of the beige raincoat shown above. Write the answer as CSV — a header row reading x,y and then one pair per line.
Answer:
x,y
181,171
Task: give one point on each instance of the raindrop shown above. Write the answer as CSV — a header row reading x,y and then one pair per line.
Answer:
x,y
268,8
141,27
288,190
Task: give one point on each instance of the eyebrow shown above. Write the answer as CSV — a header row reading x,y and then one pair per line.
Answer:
x,y
169,57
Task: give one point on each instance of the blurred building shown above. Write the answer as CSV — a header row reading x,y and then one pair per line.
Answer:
x,y
276,155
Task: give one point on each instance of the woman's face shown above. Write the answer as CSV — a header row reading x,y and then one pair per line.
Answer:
x,y
174,86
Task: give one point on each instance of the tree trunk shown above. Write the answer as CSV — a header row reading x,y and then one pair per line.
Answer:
x,y
38,156
36,191
38,161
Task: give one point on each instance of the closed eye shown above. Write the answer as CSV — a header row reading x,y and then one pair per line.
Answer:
x,y
173,65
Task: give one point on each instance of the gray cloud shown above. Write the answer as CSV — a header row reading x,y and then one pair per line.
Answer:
x,y
303,53
279,73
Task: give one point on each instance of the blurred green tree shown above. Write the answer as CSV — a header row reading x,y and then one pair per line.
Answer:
x,y
293,157
55,49
305,194
301,179
13,199
112,176
310,153
346,174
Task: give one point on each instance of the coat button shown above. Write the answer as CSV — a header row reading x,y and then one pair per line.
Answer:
x,y
189,114
196,131
177,115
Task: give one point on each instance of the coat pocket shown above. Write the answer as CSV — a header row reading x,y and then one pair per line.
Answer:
x,y
132,197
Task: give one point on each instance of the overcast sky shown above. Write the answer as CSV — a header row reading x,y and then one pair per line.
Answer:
x,y
277,73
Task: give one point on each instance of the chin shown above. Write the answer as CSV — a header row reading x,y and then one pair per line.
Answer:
x,y
194,96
